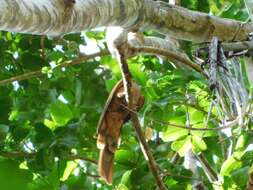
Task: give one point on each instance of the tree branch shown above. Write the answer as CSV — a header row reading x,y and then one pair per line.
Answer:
x,y
25,76
79,157
146,151
171,55
229,124
48,18
39,73
210,172
237,46
122,48
15,154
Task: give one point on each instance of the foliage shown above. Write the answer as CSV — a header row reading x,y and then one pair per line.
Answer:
x,y
48,123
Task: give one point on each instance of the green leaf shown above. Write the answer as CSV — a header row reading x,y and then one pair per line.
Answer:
x,y
196,116
198,144
75,38
230,165
121,187
203,6
50,124
43,134
240,177
238,154
125,180
78,90
112,64
125,156
241,141
20,132
97,35
150,90
182,146
32,62
138,73
3,130
170,181
71,165
202,133
55,56
173,133
76,182
13,178
5,102
60,113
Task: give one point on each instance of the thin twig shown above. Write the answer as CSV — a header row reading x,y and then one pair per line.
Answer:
x,y
174,159
223,145
25,76
189,177
39,72
15,154
210,172
229,124
79,157
84,171
198,108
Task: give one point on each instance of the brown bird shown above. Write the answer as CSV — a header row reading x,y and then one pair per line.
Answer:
x,y
109,126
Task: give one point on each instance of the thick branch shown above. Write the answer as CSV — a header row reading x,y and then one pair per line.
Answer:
x,y
48,17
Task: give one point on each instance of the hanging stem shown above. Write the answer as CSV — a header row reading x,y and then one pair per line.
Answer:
x,y
122,49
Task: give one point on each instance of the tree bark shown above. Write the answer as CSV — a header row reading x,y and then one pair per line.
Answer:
x,y
46,17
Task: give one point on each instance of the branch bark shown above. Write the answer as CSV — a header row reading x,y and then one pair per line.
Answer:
x,y
47,17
